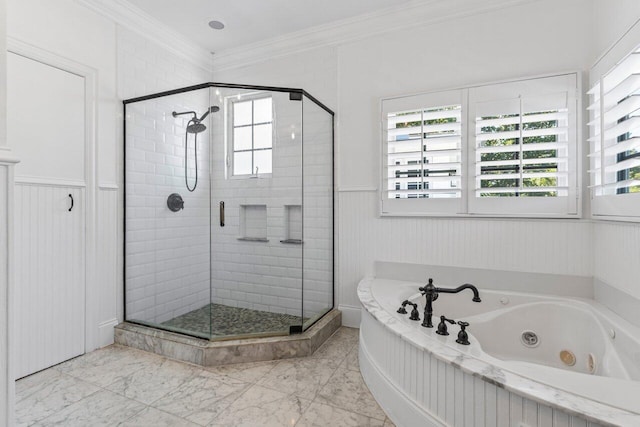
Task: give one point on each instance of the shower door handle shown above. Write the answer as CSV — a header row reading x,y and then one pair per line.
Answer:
x,y
221,214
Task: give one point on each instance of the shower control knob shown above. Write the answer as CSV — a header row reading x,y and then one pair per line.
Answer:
x,y
175,202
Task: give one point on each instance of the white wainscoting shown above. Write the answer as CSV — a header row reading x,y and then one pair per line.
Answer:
x,y
49,297
436,393
616,251
527,245
109,276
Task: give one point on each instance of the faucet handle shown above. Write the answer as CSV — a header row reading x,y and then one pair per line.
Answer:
x,y
426,287
463,337
415,315
402,309
442,327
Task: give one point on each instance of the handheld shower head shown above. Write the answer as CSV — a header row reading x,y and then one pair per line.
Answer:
x,y
212,109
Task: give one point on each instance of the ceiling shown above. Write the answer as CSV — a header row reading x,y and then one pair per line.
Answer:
x,y
250,21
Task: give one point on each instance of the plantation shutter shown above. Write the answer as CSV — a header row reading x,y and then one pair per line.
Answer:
x,y
524,147
422,153
614,126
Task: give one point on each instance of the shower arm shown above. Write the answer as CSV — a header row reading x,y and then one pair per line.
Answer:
x,y
175,114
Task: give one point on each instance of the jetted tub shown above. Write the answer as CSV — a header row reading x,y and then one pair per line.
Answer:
x,y
573,356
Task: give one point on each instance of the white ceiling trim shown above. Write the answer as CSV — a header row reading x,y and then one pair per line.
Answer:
x,y
134,19
421,12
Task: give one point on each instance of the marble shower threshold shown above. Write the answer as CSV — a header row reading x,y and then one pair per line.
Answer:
x,y
204,352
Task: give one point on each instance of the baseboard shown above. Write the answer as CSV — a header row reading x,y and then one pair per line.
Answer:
x,y
106,332
350,316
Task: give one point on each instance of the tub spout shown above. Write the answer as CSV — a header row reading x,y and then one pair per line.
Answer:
x,y
476,295
431,292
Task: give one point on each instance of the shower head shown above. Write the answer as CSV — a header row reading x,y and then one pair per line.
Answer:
x,y
212,109
196,127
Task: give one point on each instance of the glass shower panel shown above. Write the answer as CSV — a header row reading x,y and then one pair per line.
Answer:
x,y
167,220
256,250
317,215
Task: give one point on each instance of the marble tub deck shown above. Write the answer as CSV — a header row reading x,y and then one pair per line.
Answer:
x,y
121,386
213,353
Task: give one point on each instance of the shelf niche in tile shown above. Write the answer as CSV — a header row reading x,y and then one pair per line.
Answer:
x,y
292,224
253,223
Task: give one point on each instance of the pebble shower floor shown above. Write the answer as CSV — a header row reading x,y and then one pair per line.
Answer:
x,y
217,320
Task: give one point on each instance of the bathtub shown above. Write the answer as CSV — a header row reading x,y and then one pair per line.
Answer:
x,y
570,360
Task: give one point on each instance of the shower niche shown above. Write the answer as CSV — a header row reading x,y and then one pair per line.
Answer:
x,y
228,211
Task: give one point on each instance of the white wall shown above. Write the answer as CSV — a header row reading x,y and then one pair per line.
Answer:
x,y
80,35
492,46
6,378
167,264
612,18
616,245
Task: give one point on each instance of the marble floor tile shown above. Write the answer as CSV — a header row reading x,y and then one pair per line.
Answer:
x,y
248,372
337,346
351,333
102,408
34,380
388,423
302,377
346,389
154,380
264,407
351,361
107,365
123,386
202,398
46,393
319,415
151,417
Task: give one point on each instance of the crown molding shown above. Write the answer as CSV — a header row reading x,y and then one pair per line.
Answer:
x,y
412,14
132,18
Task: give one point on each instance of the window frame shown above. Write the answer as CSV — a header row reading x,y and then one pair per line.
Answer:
x,y
614,207
230,126
420,206
494,206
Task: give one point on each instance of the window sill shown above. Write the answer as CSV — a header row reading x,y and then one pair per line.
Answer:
x,y
481,216
259,176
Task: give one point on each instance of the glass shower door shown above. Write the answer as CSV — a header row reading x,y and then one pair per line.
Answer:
x,y
317,161
167,220
256,244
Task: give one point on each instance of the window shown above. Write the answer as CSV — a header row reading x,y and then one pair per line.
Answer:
x,y
423,153
523,145
252,133
614,143
503,149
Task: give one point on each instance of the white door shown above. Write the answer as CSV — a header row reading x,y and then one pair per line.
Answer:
x,y
46,130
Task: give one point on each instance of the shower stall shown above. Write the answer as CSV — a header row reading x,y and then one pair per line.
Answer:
x,y
229,211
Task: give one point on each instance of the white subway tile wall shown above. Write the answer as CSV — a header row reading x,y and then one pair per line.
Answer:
x,y
257,275
317,210
268,275
167,253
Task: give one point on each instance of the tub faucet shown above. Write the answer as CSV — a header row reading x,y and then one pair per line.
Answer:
x,y
431,293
